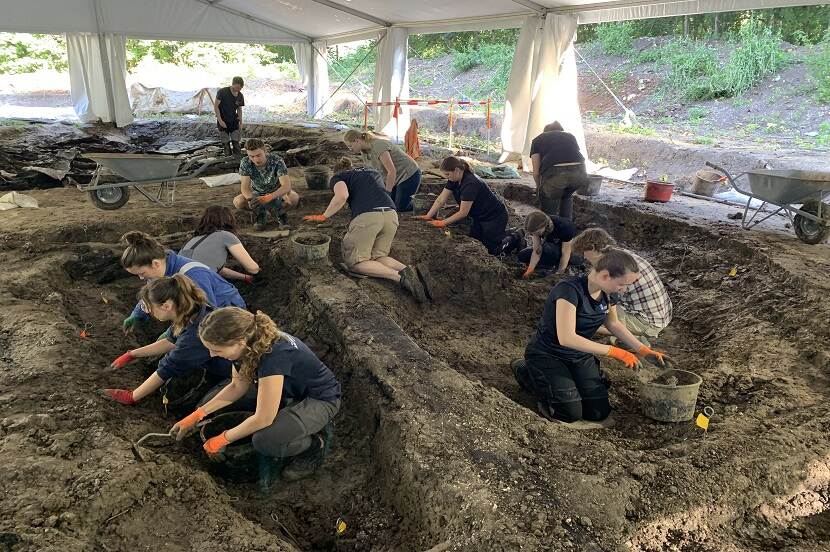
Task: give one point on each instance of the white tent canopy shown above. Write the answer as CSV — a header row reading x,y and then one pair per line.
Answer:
x,y
542,83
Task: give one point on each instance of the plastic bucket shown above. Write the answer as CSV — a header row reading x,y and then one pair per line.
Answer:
x,y
422,202
310,246
706,183
239,461
658,191
671,397
593,186
183,393
317,177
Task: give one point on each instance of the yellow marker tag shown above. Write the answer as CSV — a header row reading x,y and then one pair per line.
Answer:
x,y
702,422
733,272
447,233
340,526
165,401
104,299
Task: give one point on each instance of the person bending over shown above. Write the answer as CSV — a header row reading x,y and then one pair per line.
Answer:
x,y
368,241
293,395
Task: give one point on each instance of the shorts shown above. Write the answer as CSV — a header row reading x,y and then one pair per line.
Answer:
x,y
636,324
370,236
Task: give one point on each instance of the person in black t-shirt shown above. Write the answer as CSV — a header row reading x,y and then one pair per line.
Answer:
x,y
228,109
475,200
560,367
368,241
551,237
295,395
558,170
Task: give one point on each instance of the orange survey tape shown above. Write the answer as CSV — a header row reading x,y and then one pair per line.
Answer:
x,y
398,102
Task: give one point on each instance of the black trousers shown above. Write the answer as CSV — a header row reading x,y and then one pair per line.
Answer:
x,y
571,390
490,232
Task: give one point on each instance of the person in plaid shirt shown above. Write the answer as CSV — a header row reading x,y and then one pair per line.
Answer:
x,y
645,308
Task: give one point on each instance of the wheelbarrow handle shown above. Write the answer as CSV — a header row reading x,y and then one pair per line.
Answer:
x,y
717,168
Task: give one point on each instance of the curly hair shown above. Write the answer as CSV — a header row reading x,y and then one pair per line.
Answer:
x,y
593,239
187,298
142,249
230,325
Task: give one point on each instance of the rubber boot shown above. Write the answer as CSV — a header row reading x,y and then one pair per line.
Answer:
x,y
306,463
237,151
276,210
411,283
260,218
226,149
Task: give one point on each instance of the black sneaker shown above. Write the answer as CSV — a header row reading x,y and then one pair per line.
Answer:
x,y
306,463
411,283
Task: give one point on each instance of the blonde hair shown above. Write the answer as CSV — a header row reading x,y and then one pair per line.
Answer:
x,y
187,298
141,250
593,239
353,135
537,220
344,164
230,325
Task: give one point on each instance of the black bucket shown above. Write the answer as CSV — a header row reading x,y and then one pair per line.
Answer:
x,y
184,393
239,461
317,177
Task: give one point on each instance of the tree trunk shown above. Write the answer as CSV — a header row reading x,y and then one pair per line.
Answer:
x,y
685,26
716,31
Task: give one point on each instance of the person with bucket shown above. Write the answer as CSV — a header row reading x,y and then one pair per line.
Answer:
x,y
560,367
215,237
551,243
475,200
402,176
178,301
558,170
148,259
374,223
292,393
265,187
645,307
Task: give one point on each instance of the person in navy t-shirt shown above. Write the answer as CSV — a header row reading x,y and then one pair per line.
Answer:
x,y
296,395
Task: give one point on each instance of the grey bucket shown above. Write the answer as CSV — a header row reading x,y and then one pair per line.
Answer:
x,y
422,202
593,185
317,177
666,402
310,246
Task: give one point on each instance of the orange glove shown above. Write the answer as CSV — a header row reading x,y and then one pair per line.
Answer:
x,y
646,353
527,273
623,356
438,223
215,445
423,217
123,360
315,218
184,426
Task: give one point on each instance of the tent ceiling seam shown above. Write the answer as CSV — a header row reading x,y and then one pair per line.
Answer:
x,y
249,17
354,12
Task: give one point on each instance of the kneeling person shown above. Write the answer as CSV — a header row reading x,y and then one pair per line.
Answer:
x,y
296,394
368,241
265,185
176,300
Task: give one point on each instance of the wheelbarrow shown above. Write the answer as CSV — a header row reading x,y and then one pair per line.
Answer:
x,y
785,189
152,175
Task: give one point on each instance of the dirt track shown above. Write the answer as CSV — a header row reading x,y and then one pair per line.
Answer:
x,y
435,443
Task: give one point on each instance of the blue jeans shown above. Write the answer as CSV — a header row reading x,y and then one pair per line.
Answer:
x,y
402,193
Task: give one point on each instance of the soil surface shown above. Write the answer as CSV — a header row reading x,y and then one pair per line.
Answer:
x,y
436,446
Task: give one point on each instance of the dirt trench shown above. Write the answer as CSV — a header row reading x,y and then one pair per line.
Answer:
x,y
436,446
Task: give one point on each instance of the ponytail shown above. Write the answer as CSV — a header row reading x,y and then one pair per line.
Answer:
x,y
353,135
452,163
187,298
230,325
141,250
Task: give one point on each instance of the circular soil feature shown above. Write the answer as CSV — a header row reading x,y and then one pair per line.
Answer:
x,y
311,239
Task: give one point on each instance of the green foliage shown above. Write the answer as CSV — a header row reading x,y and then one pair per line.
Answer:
x,y
823,138
25,53
697,114
818,64
352,61
618,76
758,54
616,38
495,57
430,46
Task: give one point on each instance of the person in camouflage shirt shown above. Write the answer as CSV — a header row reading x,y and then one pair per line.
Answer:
x,y
265,185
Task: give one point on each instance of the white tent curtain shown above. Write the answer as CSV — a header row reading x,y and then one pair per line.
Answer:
x,y
542,86
312,60
392,81
98,78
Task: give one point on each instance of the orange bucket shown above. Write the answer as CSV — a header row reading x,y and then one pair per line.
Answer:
x,y
658,191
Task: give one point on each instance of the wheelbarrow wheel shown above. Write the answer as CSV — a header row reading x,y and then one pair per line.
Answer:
x,y
110,199
811,231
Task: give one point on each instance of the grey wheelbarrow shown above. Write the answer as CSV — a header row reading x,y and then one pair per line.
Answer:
x,y
798,195
152,175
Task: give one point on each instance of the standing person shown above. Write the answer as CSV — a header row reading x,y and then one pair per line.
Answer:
x,y
475,200
148,259
265,185
558,170
296,394
368,241
178,301
401,173
560,366
215,237
228,110
645,308
551,243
